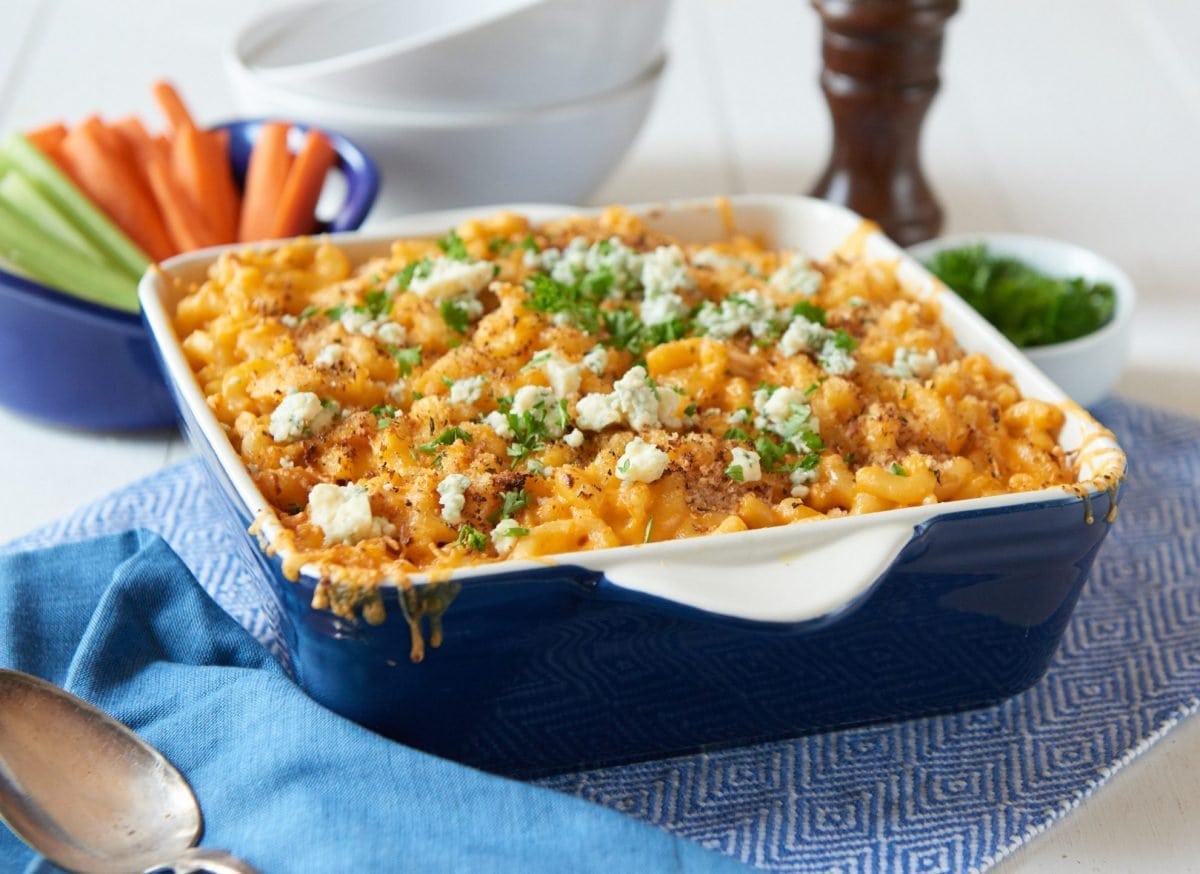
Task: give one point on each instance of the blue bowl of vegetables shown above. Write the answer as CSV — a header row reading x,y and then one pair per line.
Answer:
x,y
1068,309
73,348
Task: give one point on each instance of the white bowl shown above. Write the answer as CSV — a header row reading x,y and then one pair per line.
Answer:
x,y
437,160
439,55
1085,368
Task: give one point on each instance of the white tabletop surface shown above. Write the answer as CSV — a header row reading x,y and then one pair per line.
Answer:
x,y
1076,119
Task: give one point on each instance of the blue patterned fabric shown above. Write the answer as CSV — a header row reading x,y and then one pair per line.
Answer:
x,y
953,793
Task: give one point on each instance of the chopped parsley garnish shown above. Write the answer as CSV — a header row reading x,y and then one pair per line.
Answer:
x,y
624,329
690,410
309,312
503,245
771,455
472,538
376,303
579,302
510,502
649,529
383,413
515,531
455,315
1028,307
664,332
406,359
734,472
528,430
415,270
736,434
842,340
810,311
812,441
454,247
446,438
898,470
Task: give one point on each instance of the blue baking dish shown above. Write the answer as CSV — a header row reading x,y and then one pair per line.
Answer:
x,y
618,655
73,362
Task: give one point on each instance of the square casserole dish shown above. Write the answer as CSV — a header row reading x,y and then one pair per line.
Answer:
x,y
630,653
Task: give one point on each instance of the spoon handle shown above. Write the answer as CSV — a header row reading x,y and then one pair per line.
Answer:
x,y
198,859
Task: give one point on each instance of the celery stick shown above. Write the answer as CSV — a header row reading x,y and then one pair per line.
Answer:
x,y
23,197
9,267
48,260
72,203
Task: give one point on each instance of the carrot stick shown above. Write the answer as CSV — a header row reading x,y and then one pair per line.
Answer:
x,y
172,106
141,149
113,184
48,137
137,138
227,201
186,224
266,174
298,201
197,168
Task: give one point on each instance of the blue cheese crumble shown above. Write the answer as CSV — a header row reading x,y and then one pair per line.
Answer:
x,y
448,278
664,275
908,363
803,335
744,465
785,412
301,414
641,462
563,376
343,513
634,399
469,390
796,276
746,310
451,497
505,534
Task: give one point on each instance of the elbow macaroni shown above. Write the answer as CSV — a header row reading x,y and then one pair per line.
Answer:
x,y
834,390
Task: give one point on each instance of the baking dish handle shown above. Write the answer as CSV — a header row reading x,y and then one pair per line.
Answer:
x,y
770,578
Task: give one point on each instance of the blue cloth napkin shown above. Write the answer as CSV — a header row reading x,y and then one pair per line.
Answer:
x,y
282,782
947,794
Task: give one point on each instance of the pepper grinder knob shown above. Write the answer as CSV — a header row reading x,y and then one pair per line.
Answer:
x,y
880,76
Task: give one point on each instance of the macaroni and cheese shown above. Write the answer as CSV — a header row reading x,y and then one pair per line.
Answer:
x,y
516,391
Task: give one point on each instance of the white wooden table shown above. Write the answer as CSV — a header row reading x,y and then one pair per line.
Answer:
x,y
1077,119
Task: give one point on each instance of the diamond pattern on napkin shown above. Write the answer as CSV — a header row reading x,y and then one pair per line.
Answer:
x,y
949,793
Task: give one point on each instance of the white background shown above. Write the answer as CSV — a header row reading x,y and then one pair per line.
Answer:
x,y
1077,119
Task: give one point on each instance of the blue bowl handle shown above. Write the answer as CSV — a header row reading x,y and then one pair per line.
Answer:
x,y
359,171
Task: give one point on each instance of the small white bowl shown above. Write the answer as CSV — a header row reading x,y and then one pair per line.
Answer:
x,y
441,56
429,161
1085,368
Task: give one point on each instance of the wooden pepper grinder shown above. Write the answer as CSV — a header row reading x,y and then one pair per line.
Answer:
x,y
879,77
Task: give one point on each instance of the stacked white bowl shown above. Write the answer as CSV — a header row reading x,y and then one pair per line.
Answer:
x,y
462,102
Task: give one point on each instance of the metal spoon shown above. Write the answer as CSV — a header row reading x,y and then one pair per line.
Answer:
x,y
89,794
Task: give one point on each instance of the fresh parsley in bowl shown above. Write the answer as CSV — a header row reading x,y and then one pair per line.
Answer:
x,y
1066,307
1029,307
